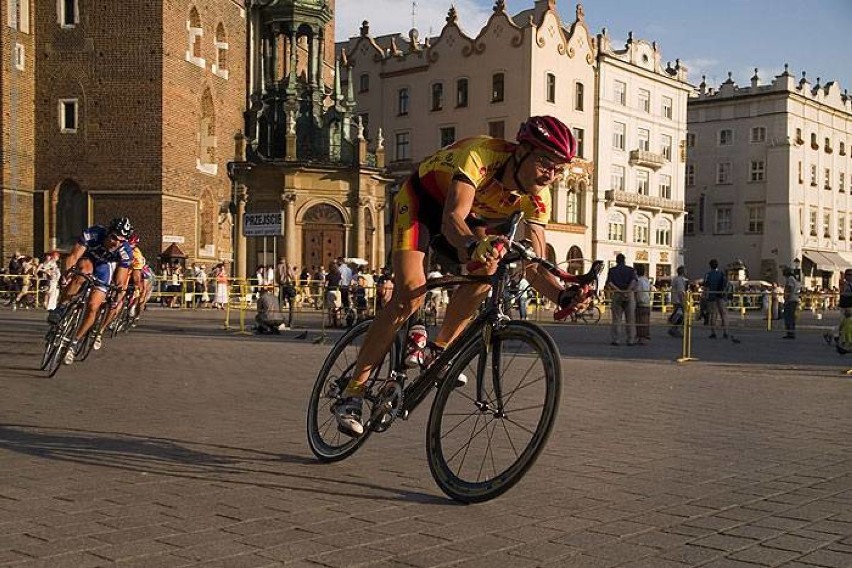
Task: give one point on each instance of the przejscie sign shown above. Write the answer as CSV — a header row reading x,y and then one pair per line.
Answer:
x,y
262,224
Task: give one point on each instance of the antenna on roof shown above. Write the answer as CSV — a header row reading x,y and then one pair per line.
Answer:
x,y
413,13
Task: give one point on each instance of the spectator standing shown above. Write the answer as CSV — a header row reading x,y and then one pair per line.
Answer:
x,y
621,282
333,296
716,295
345,280
50,270
643,306
679,299
201,295
221,276
286,287
792,290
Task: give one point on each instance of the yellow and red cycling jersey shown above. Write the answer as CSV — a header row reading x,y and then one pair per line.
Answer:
x,y
478,160
139,262
418,207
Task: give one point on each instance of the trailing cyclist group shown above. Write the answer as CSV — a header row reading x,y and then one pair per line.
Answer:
x,y
105,284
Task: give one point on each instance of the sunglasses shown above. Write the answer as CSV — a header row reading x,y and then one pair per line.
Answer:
x,y
546,164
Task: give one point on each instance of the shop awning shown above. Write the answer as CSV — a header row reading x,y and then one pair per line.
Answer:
x,y
826,260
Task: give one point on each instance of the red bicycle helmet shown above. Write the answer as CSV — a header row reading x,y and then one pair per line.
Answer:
x,y
550,134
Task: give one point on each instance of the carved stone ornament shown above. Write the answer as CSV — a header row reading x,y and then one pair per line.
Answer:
x,y
365,28
288,196
580,12
500,6
380,140
452,16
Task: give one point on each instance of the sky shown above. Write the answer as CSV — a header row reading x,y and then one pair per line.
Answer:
x,y
710,38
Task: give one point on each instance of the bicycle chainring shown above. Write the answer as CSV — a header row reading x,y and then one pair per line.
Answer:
x,y
387,408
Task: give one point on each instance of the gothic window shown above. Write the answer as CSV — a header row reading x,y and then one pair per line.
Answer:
x,y
220,68
70,214
195,33
18,15
206,160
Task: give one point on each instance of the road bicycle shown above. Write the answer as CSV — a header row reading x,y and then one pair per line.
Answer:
x,y
484,433
60,335
591,314
88,342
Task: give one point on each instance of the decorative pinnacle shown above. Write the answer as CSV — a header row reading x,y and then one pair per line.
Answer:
x,y
500,6
365,28
452,15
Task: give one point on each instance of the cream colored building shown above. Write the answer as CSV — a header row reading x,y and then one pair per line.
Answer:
x,y
426,94
641,125
769,178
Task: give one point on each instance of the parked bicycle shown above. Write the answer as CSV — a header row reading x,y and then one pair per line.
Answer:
x,y
483,434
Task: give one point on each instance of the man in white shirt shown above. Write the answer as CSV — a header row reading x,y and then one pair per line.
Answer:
x,y
345,280
792,289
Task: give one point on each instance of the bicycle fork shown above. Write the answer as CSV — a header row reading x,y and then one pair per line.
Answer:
x,y
494,350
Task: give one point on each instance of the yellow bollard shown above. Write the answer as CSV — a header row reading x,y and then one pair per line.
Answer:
x,y
686,352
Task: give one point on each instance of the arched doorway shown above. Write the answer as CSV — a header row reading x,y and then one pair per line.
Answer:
x,y
71,214
369,233
550,253
323,235
575,260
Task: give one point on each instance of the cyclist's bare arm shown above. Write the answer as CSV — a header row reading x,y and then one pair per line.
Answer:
x,y
538,276
76,254
456,209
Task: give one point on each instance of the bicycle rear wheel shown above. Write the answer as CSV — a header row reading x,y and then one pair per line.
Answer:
x,y
89,339
477,451
592,315
326,442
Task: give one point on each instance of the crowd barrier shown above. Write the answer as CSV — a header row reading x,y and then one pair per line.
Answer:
x,y
748,311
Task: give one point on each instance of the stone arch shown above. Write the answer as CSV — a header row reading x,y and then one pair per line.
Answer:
x,y
323,233
303,210
551,253
574,258
72,214
195,37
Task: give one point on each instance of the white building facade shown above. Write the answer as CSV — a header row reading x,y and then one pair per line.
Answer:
x,y
769,178
641,128
426,94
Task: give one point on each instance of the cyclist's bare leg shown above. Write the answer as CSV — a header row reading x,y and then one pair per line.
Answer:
x,y
96,298
457,316
409,287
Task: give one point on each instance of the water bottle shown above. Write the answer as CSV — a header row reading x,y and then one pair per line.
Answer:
x,y
417,338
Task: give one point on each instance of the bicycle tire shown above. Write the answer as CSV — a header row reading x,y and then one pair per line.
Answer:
x,y
118,322
89,341
320,420
49,346
67,329
592,315
442,418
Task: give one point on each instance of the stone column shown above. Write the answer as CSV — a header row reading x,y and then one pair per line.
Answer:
x,y
240,256
379,222
360,231
52,213
288,205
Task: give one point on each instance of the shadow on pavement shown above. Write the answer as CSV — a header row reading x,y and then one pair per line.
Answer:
x,y
189,460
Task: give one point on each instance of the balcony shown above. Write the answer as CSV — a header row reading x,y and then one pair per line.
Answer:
x,y
647,202
647,159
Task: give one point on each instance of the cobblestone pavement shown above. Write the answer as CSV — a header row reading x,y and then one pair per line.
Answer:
x,y
181,445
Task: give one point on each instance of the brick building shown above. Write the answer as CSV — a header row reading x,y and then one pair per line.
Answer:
x,y
137,106
17,120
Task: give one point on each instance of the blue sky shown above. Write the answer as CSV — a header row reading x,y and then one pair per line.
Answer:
x,y
711,38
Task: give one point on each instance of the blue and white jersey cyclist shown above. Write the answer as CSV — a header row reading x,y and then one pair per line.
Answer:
x,y
106,254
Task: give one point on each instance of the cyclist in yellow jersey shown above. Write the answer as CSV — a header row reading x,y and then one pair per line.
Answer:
x,y
456,201
142,277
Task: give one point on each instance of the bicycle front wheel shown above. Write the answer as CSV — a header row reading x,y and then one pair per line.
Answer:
x,y
326,441
478,449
